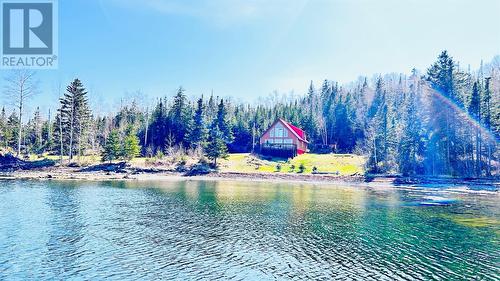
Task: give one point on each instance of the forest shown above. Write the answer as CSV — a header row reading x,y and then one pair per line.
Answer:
x,y
442,121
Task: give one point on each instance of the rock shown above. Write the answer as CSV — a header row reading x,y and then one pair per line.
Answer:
x,y
8,162
107,167
199,169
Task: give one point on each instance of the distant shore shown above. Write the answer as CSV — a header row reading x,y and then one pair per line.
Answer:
x,y
67,173
70,173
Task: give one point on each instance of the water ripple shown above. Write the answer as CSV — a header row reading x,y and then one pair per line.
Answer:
x,y
237,231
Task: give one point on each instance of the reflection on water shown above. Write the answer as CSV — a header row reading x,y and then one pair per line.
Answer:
x,y
235,230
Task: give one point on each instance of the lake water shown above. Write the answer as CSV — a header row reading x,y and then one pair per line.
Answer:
x,y
199,230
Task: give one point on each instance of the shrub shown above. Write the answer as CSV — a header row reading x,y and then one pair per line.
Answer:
x,y
159,154
315,170
302,168
292,168
183,160
278,168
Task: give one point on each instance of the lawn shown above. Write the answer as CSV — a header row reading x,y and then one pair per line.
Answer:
x,y
341,164
337,164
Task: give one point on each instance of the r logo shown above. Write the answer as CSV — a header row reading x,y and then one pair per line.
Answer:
x,y
28,28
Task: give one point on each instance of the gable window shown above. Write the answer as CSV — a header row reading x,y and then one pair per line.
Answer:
x,y
279,131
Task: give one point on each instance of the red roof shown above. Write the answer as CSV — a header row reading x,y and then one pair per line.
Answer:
x,y
297,131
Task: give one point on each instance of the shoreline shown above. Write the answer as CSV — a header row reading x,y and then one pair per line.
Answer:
x,y
67,173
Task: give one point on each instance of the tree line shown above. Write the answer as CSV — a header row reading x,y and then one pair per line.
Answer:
x,y
445,121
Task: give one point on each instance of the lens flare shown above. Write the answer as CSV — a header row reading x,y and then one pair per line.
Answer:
x,y
486,133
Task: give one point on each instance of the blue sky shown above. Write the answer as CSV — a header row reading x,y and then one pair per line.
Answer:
x,y
248,49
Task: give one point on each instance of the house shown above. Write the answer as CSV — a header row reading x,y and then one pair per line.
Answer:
x,y
284,140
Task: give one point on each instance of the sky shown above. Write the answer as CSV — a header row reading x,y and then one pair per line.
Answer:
x,y
248,49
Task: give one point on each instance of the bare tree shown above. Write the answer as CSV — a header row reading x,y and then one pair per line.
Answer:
x,y
20,86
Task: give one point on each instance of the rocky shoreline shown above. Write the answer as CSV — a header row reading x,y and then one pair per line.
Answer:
x,y
121,171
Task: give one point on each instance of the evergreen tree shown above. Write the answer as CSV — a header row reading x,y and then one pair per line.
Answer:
x,y
377,99
242,131
48,142
409,143
11,132
3,128
441,76
112,149
37,132
159,127
223,123
379,131
198,133
74,114
475,112
487,118
216,146
131,147
180,118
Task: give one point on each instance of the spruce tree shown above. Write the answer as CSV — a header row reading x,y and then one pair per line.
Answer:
x,y
377,99
475,112
74,114
3,128
487,117
441,76
223,123
131,147
112,149
180,117
198,133
216,146
409,142
11,132
37,132
379,131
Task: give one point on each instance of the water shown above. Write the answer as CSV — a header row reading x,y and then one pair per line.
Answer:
x,y
244,231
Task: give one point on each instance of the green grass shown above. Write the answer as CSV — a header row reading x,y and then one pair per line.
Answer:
x,y
343,164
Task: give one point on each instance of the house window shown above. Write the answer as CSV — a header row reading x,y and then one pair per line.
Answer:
x,y
278,131
271,133
287,141
285,133
278,141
